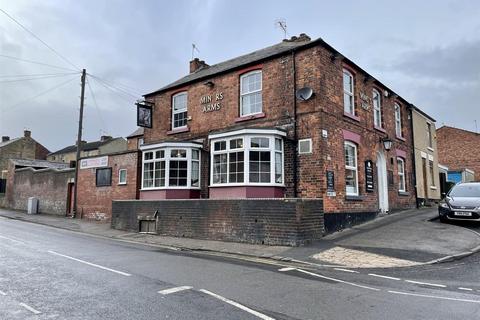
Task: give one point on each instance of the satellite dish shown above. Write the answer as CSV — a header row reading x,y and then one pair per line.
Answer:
x,y
304,93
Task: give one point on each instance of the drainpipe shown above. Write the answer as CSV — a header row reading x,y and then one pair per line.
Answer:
x,y
295,135
414,163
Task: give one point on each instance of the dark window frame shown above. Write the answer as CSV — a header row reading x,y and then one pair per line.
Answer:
x,y
96,177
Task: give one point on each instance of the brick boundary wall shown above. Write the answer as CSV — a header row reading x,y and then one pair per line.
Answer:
x,y
48,185
289,222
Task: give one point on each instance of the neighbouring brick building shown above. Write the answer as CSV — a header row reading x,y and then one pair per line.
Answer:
x,y
114,176
20,148
294,120
105,145
135,139
459,150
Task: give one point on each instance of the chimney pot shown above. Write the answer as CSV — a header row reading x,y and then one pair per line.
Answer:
x,y
27,133
105,138
5,138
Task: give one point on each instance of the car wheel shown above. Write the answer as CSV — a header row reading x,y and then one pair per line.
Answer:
x,y
443,219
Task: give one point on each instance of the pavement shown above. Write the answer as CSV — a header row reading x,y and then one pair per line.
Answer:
x,y
403,239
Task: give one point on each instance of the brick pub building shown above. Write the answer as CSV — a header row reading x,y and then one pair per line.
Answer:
x,y
244,129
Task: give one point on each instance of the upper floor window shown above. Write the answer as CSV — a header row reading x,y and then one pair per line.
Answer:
x,y
377,109
429,135
401,175
351,169
251,93
179,110
348,98
398,120
432,175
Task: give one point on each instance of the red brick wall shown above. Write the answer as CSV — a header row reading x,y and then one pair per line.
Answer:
x,y
132,143
459,149
314,68
95,203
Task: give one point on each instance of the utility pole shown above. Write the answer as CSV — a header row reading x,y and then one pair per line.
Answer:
x,y
79,142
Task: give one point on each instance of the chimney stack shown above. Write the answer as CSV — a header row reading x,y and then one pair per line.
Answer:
x,y
197,64
5,138
27,133
105,138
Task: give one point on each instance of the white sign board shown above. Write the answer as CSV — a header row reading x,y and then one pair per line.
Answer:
x,y
94,162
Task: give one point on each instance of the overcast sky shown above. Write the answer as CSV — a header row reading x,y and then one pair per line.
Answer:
x,y
427,51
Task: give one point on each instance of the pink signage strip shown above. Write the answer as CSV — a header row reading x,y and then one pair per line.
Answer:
x,y
401,153
351,136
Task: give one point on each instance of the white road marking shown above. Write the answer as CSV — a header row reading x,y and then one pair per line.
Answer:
x,y
173,290
238,305
337,280
427,284
433,297
384,277
91,264
286,269
32,310
2,293
13,240
346,270
465,289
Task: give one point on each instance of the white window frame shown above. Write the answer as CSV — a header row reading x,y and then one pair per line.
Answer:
x,y
431,172
309,140
377,108
247,135
167,148
348,93
354,168
250,92
401,174
174,112
120,175
398,120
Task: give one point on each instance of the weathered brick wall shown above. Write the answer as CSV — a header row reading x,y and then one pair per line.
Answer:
x,y
315,68
265,221
48,185
24,148
459,149
95,203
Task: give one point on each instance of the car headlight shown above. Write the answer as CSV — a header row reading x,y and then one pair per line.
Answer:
x,y
444,205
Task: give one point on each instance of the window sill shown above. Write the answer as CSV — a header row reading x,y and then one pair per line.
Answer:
x,y
403,193
400,138
351,116
223,185
431,149
122,184
170,188
250,117
353,198
433,187
178,130
380,129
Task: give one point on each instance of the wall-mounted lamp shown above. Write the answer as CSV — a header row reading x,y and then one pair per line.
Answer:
x,y
387,143
209,84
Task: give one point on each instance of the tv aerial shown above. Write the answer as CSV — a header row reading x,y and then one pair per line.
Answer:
x,y
282,24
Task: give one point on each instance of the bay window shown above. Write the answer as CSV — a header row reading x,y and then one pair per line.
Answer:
x,y
247,159
171,166
351,169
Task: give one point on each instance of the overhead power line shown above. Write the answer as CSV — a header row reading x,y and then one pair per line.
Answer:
x,y
11,107
116,89
35,62
127,89
32,75
37,78
102,122
38,38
